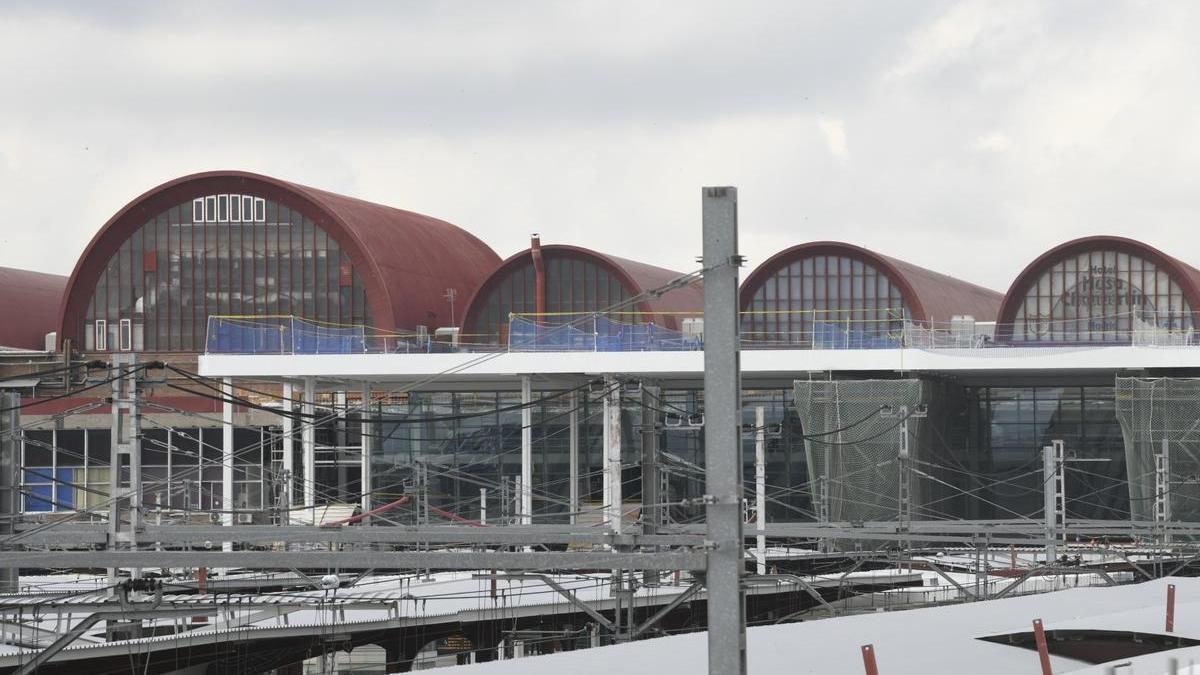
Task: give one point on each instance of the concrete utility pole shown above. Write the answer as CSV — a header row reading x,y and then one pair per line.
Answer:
x,y
722,438
126,460
612,454
1050,502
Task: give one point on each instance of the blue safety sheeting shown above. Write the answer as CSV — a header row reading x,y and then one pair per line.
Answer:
x,y
826,335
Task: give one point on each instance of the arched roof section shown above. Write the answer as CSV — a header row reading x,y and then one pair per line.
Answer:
x,y
636,277
1186,277
30,302
929,295
407,260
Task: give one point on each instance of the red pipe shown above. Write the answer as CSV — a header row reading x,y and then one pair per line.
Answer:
x,y
539,276
455,517
367,514
1170,608
1039,636
868,654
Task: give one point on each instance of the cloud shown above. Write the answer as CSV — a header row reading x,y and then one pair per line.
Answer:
x,y
835,137
983,133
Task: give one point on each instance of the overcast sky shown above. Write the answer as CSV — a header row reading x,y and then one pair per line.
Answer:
x,y
965,137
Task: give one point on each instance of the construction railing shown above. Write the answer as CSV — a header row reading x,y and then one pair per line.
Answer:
x,y
634,331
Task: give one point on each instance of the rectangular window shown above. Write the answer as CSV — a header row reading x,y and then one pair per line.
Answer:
x,y
210,209
247,208
126,335
101,335
260,210
235,208
197,210
222,208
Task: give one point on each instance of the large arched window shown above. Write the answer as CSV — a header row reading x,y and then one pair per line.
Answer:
x,y
226,254
574,286
813,294
1098,291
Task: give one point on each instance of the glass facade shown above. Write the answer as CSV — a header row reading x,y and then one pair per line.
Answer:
x,y
1100,296
816,292
473,440
1007,429
573,286
219,255
69,469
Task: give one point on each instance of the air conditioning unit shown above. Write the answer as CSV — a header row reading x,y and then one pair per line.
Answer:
x,y
245,518
51,341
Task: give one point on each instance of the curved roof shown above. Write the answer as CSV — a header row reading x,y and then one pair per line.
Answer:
x,y
1185,275
929,295
29,302
637,277
406,260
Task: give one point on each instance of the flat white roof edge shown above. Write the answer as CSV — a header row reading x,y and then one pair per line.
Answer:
x,y
766,363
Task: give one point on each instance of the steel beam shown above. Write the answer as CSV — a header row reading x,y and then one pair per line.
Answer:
x,y
442,560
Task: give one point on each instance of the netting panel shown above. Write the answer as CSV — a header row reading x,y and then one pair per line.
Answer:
x,y
1150,411
852,442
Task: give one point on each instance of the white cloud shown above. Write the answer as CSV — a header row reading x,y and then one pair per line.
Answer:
x,y
992,142
835,137
984,132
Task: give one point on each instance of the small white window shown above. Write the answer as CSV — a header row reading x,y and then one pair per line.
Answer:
x,y
126,335
210,209
260,210
247,208
197,210
222,208
235,208
101,335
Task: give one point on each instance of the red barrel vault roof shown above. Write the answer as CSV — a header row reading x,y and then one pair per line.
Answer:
x,y
931,296
406,260
636,276
29,301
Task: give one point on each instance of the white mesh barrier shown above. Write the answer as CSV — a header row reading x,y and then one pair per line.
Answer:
x,y
853,431
1158,414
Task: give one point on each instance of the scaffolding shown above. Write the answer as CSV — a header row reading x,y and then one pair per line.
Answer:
x,y
858,438
1160,422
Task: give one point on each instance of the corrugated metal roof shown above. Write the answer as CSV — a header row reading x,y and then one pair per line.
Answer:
x,y
28,307
406,260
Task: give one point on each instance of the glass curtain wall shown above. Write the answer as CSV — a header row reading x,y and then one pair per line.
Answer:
x,y
1009,426
69,469
1100,296
802,299
466,441
573,286
219,255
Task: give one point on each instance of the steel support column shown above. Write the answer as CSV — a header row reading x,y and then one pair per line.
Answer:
x,y
367,431
308,439
227,501
573,450
526,451
722,434
289,462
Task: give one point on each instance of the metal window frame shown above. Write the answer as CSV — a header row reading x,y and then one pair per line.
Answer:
x,y
222,208
125,335
210,209
235,208
198,210
101,335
